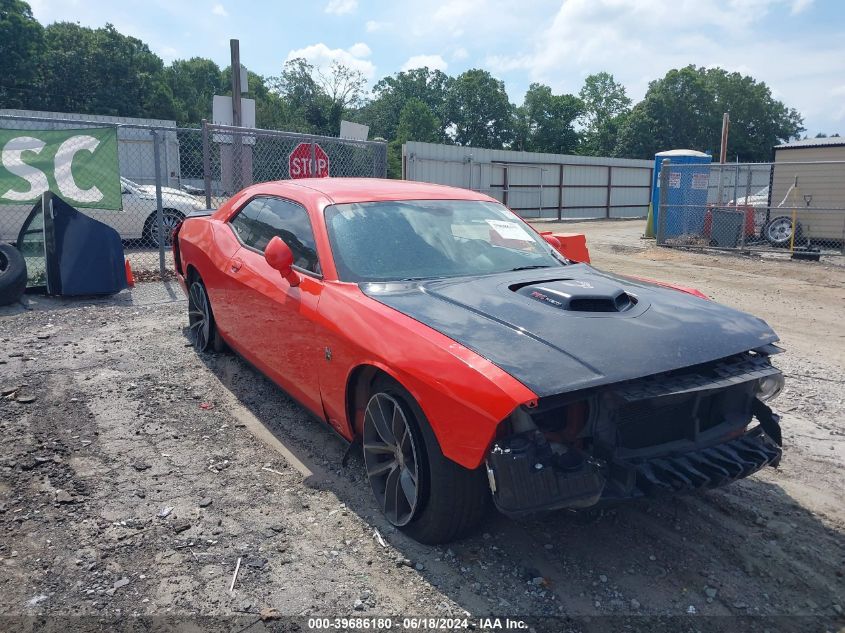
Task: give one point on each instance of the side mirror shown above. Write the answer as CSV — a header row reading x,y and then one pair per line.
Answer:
x,y
280,257
552,240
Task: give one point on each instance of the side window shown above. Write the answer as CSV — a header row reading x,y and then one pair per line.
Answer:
x,y
264,218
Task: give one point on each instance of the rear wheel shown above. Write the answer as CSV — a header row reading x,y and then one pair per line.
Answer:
x,y
201,325
419,490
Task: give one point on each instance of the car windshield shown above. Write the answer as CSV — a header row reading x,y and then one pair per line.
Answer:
x,y
423,239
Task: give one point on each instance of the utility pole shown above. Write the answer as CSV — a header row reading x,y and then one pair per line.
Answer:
x,y
723,151
236,83
237,148
726,124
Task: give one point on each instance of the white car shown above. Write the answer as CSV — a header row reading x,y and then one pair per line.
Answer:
x,y
136,220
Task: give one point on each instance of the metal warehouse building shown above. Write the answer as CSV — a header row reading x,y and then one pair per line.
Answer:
x,y
810,175
537,185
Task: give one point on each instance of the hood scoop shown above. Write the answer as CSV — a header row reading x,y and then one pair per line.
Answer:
x,y
575,295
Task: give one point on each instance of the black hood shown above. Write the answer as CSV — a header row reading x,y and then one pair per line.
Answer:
x,y
563,329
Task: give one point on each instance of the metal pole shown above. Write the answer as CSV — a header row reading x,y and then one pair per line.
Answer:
x,y
560,193
159,210
540,201
312,170
469,163
664,193
609,187
745,211
206,163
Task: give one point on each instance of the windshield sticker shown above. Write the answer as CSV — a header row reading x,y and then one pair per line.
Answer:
x,y
509,230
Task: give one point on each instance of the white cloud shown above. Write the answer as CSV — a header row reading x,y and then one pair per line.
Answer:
x,y
460,53
359,49
219,9
373,25
434,62
640,41
341,7
798,6
322,57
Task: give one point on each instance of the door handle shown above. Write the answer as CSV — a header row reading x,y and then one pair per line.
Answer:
x,y
236,264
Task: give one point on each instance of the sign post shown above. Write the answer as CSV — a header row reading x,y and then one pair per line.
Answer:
x,y
308,160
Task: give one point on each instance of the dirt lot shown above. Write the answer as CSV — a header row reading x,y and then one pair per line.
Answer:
x,y
140,473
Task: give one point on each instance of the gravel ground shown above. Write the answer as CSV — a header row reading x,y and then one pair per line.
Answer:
x,y
136,474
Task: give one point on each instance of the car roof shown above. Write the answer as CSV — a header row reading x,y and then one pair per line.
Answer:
x,y
344,190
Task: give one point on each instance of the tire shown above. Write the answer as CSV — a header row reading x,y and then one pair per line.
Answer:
x,y
170,218
449,500
12,274
778,232
201,325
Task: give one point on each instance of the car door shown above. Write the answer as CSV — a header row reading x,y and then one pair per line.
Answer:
x,y
275,326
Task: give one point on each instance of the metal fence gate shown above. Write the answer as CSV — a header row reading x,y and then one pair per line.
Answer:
x,y
781,207
167,172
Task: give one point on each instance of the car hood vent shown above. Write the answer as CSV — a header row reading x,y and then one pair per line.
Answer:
x,y
575,295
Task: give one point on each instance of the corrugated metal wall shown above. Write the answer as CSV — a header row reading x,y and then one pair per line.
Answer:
x,y
537,185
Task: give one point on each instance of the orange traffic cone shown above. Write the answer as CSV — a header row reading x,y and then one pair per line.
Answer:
x,y
130,278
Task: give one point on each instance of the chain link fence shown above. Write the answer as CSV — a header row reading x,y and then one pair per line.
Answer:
x,y
166,172
789,207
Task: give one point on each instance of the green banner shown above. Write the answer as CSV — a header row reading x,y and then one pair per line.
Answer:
x,y
79,165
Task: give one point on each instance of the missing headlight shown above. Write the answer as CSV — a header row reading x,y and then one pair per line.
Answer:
x,y
769,387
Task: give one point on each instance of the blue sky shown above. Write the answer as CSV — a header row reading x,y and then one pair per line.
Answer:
x,y
796,46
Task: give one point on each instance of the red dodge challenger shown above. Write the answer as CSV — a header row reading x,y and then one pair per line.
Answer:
x,y
470,358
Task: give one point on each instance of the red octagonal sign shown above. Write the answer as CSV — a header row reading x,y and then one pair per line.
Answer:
x,y
302,165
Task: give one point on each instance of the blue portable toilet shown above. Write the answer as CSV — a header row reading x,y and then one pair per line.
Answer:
x,y
686,200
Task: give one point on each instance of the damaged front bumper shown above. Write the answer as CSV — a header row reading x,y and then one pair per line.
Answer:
x,y
527,477
531,469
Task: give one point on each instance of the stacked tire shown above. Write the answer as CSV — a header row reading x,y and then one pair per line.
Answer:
x,y
12,274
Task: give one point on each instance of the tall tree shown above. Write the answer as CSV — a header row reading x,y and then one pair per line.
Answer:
x,y
544,123
684,110
100,71
391,94
606,105
321,98
758,121
416,123
479,110
21,48
194,82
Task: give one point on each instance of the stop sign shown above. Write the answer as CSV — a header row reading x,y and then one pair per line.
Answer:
x,y
301,165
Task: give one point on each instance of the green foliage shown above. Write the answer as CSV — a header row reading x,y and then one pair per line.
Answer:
x,y
684,110
430,87
478,108
193,83
320,99
416,123
100,71
21,48
544,123
605,107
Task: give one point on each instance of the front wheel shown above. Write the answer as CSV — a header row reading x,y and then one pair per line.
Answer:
x,y
420,491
